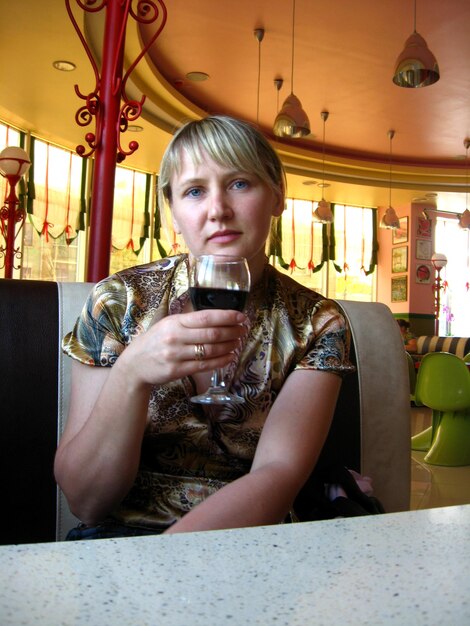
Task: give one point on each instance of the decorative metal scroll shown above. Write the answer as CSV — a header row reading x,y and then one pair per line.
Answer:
x,y
143,12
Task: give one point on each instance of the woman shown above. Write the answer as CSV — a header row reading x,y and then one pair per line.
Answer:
x,y
409,340
136,455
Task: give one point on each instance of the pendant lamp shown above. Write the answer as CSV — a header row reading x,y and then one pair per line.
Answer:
x,y
390,218
323,212
416,66
292,121
464,219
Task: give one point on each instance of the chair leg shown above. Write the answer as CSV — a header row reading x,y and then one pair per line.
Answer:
x,y
451,440
422,441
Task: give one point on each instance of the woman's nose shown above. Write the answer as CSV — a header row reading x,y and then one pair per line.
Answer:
x,y
219,206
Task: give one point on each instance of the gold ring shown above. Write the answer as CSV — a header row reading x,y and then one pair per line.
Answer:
x,y
199,352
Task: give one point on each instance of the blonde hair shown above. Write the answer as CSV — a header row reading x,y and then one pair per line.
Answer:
x,y
229,142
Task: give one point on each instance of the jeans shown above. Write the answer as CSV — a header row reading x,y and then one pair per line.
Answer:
x,y
109,530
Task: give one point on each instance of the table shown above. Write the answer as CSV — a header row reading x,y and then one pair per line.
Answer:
x,y
401,568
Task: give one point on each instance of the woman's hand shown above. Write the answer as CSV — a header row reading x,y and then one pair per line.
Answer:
x,y
98,456
167,351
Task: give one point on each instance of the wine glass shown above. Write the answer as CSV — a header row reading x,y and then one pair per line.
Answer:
x,y
218,281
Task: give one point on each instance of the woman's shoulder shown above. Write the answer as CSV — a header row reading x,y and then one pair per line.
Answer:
x,y
161,266
141,277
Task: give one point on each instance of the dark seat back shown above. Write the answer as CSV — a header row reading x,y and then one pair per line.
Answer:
x,y
28,406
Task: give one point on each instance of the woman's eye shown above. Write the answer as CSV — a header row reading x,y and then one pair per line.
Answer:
x,y
240,184
194,192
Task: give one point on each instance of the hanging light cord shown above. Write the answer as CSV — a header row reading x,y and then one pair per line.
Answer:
x,y
415,18
391,134
292,65
323,166
259,34
467,145
259,80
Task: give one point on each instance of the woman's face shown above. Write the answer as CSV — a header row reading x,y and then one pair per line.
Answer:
x,y
219,210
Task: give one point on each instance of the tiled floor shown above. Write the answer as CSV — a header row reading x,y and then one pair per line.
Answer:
x,y
435,485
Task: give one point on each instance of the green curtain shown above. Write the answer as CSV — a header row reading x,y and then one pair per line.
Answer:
x,y
275,242
31,192
83,202
332,244
375,245
146,226
22,186
324,250
157,226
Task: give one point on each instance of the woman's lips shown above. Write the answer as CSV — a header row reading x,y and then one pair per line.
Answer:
x,y
225,236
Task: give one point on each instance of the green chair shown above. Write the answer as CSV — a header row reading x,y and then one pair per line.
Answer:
x,y
466,358
443,384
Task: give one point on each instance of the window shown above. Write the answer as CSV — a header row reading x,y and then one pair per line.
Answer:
x,y
131,219
53,236
46,258
454,242
56,175
335,260
354,236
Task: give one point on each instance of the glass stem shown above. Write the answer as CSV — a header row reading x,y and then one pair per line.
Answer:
x,y
217,378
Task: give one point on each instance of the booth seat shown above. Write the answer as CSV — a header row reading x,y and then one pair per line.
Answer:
x,y
370,431
432,343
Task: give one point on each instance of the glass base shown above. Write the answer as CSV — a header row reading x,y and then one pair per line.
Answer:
x,y
215,395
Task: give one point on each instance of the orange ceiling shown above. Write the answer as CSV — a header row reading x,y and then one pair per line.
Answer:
x,y
345,52
344,55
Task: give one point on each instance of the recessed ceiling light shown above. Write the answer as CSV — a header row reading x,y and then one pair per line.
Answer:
x,y
309,182
135,128
64,66
197,76
431,195
323,185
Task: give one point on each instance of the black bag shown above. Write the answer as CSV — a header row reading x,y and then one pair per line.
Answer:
x,y
313,502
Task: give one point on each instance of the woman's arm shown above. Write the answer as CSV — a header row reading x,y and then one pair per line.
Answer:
x,y
99,453
287,452
411,344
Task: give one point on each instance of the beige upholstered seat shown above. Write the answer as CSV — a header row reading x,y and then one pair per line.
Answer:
x,y
370,431
384,401
72,297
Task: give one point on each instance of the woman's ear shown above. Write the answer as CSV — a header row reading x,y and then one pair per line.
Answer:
x,y
176,227
174,221
279,205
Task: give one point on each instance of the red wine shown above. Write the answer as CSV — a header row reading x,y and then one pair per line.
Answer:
x,y
208,298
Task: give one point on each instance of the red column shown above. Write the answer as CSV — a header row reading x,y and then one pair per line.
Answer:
x,y
99,243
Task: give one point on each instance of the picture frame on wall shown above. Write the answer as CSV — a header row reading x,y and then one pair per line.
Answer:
x,y
400,234
423,249
399,289
399,260
424,227
424,274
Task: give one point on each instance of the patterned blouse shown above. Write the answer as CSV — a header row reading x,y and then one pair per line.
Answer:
x,y
190,450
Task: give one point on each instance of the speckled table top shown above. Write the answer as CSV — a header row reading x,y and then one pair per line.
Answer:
x,y
402,568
